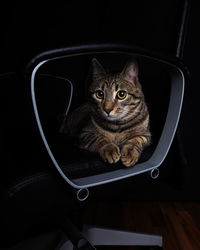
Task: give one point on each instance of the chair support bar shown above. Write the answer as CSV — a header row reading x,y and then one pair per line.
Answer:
x,y
111,237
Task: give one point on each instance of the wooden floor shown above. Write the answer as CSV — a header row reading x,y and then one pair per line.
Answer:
x,y
177,222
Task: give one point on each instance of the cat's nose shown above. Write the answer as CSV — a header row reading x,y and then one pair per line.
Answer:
x,y
108,110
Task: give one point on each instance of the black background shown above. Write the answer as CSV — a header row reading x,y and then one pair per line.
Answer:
x,y
31,27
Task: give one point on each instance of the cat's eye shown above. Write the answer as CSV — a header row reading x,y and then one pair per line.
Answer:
x,y
99,94
121,94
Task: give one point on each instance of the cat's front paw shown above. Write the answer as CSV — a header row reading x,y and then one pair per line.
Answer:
x,y
110,153
129,155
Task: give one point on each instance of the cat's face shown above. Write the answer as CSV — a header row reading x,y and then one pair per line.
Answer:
x,y
116,97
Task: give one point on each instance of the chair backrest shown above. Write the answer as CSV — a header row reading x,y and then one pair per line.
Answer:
x,y
52,74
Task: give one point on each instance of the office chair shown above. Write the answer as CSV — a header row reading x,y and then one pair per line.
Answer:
x,y
56,88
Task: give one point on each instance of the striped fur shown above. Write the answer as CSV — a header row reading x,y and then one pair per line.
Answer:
x,y
117,129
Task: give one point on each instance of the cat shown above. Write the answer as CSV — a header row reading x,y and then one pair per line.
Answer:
x,y
115,121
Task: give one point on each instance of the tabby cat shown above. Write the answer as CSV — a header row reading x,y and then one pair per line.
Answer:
x,y
115,121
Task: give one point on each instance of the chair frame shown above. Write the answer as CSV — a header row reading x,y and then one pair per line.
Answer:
x,y
178,73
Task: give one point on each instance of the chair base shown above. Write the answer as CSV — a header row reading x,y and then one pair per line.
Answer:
x,y
97,236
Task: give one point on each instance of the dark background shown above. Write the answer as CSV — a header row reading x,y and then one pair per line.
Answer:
x,y
29,28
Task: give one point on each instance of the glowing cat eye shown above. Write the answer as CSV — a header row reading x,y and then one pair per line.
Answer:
x,y
121,94
99,94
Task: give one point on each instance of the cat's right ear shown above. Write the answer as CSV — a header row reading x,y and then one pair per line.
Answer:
x,y
98,70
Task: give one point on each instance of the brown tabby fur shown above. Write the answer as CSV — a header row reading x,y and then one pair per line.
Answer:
x,y
115,129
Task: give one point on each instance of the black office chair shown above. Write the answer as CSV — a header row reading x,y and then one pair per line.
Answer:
x,y
56,88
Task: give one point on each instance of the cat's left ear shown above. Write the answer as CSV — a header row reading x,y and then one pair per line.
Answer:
x,y
130,71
